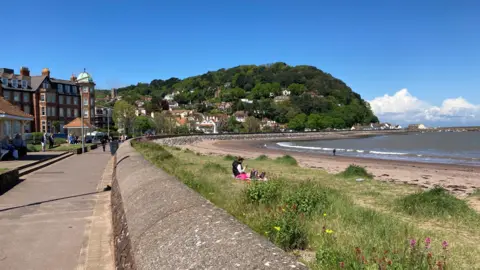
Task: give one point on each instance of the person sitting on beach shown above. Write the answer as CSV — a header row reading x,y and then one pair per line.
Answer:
x,y
238,169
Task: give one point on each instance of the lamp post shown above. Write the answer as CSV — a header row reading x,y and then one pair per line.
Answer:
x,y
81,111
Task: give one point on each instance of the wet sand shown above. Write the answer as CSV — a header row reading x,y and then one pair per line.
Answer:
x,y
459,179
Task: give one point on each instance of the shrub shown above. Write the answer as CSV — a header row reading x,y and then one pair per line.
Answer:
x,y
287,230
59,141
436,202
308,198
355,171
262,157
263,192
229,157
287,160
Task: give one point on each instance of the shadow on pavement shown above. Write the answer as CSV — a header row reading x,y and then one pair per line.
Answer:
x,y
57,199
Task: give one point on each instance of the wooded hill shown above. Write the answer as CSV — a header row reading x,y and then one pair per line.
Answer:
x,y
316,99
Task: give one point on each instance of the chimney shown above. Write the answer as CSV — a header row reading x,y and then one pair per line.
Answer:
x,y
73,78
46,72
24,71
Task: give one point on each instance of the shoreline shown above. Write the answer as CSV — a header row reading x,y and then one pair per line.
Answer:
x,y
458,179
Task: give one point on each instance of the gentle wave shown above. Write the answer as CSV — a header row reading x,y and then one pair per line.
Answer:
x,y
289,145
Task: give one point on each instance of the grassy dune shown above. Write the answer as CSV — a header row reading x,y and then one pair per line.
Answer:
x,y
333,221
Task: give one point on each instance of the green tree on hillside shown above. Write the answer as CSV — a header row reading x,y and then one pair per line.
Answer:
x,y
312,92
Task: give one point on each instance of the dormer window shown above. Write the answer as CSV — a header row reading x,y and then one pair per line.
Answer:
x,y
60,88
14,83
46,85
4,81
74,88
67,89
24,84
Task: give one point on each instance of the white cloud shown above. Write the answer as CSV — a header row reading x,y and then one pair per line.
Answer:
x,y
404,108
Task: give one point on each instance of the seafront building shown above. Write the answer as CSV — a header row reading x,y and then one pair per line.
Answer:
x,y
53,102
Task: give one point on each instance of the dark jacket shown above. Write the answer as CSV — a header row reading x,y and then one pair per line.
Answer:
x,y
235,167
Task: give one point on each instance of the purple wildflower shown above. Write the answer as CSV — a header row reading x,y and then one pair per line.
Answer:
x,y
413,242
427,242
444,244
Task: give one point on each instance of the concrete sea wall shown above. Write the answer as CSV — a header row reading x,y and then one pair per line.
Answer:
x,y
159,223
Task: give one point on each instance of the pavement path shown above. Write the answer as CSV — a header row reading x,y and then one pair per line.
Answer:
x,y
51,235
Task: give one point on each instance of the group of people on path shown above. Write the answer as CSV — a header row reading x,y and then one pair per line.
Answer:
x,y
239,172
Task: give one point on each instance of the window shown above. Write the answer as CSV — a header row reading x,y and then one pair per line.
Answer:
x,y
26,108
5,81
85,101
67,89
44,126
92,102
52,97
74,88
69,113
14,83
43,110
17,126
85,113
16,96
75,100
68,100
6,95
24,84
60,88
42,97
7,128
92,112
54,111
26,97
91,89
60,112
45,85
85,89
48,111
76,112
60,99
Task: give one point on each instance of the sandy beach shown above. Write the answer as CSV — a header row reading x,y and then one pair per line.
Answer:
x,y
460,180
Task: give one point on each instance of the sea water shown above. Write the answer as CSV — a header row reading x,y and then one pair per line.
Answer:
x,y
431,147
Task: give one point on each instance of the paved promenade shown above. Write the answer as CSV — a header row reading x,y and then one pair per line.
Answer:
x,y
36,233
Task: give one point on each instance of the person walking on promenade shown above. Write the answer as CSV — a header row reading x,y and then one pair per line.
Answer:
x,y
104,142
334,151
43,141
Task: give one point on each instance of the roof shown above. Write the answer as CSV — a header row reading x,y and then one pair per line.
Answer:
x,y
53,80
8,109
37,81
77,123
84,77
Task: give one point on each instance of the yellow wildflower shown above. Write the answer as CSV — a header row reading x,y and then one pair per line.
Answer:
x,y
277,228
328,231
324,214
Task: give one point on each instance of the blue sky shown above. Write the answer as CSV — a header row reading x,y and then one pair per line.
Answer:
x,y
432,48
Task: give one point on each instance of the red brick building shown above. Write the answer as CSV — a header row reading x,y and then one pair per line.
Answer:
x,y
48,99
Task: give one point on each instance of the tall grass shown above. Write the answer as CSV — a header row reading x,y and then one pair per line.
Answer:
x,y
309,211
286,160
355,171
436,202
